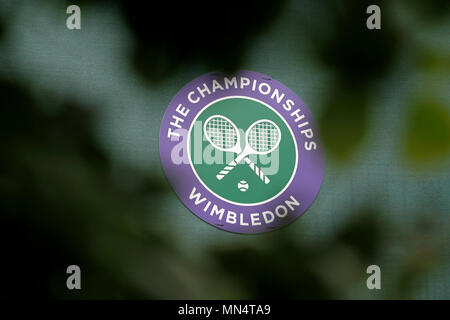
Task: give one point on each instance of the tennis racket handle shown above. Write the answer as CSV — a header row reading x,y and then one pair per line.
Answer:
x,y
252,166
231,165
226,170
257,170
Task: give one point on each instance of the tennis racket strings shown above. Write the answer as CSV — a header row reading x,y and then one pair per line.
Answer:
x,y
263,136
221,133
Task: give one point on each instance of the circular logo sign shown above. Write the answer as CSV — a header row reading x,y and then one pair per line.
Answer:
x,y
241,151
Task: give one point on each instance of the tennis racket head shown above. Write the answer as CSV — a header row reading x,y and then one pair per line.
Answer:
x,y
263,136
221,132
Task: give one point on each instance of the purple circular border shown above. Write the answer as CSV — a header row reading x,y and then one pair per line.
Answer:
x,y
304,186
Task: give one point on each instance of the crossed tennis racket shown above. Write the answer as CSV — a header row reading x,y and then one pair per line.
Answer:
x,y
262,137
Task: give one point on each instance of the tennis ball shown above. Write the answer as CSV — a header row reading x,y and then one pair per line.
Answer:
x,y
243,185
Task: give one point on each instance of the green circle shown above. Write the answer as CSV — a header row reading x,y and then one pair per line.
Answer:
x,y
208,161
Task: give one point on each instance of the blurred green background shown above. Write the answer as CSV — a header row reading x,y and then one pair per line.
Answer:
x,y
80,176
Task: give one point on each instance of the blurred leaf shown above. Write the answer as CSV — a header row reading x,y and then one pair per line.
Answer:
x,y
358,55
430,10
280,270
435,62
420,256
363,233
2,29
171,36
344,123
427,136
